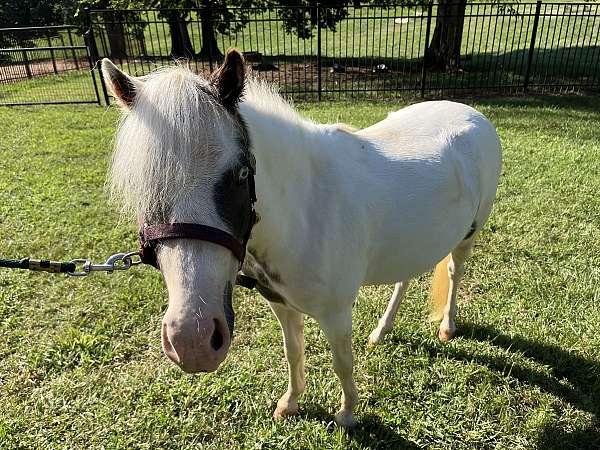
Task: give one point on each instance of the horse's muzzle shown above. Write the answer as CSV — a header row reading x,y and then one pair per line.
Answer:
x,y
196,344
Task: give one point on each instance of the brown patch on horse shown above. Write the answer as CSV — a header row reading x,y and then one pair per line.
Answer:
x,y
265,276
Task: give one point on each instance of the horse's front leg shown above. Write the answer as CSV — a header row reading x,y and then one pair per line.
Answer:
x,y
292,325
338,330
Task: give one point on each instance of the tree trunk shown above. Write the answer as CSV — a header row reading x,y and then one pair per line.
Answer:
x,y
181,44
141,40
116,36
210,48
138,43
444,49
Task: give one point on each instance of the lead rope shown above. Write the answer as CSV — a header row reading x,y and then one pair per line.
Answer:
x,y
118,261
44,265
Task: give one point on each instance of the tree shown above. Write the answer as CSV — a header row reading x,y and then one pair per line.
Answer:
x,y
176,12
125,16
230,16
444,48
218,16
210,48
113,24
115,31
26,13
215,16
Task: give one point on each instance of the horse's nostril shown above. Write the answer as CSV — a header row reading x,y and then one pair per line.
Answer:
x,y
216,340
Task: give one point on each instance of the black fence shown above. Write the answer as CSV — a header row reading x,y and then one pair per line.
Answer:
x,y
45,65
483,48
431,51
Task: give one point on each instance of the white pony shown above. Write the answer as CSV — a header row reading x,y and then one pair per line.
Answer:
x,y
338,209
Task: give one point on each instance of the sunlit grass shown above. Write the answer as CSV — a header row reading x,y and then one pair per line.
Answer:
x,y
80,359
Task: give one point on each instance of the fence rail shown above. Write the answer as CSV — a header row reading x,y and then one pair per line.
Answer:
x,y
431,50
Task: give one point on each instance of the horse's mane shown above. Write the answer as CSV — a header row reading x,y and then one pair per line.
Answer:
x,y
265,98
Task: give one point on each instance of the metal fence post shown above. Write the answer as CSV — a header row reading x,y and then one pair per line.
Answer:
x,y
52,57
427,31
208,17
26,64
536,20
319,62
92,51
75,58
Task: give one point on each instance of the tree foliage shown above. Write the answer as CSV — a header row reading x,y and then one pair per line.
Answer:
x,y
30,13
27,13
301,17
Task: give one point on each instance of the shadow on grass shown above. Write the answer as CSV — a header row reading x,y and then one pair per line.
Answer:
x,y
370,432
574,379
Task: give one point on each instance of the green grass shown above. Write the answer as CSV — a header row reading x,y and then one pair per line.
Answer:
x,y
80,359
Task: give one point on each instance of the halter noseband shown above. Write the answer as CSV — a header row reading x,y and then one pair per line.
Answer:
x,y
151,234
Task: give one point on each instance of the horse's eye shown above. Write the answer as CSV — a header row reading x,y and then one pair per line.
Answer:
x,y
243,174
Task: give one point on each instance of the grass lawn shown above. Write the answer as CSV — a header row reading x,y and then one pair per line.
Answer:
x,y
80,359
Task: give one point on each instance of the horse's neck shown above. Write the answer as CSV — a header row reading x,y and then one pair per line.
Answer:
x,y
286,151
280,141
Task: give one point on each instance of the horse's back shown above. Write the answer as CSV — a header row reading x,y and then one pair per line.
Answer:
x,y
440,177
437,135
431,122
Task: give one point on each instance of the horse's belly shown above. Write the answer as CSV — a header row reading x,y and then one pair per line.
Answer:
x,y
410,249
402,265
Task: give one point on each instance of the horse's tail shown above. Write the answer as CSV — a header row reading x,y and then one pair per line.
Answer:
x,y
439,289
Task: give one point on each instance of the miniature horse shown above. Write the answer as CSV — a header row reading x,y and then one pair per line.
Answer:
x,y
336,209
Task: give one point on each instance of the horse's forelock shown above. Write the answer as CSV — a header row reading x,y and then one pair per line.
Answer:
x,y
168,143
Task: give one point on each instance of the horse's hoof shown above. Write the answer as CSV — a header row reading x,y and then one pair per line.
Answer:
x,y
375,338
281,412
445,335
345,419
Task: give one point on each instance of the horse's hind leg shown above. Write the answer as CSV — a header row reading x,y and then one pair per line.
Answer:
x,y
448,274
386,323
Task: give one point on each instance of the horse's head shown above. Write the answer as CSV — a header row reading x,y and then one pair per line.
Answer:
x,y
181,155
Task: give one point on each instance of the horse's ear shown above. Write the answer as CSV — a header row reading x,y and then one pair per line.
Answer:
x,y
121,86
228,79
